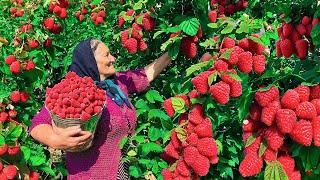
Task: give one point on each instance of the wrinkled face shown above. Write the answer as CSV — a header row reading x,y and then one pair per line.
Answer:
x,y
104,59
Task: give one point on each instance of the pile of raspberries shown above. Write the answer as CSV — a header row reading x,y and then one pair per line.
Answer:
x,y
132,38
192,147
295,39
225,7
75,97
296,114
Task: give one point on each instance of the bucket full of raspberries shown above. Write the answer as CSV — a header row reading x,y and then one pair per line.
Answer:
x,y
76,101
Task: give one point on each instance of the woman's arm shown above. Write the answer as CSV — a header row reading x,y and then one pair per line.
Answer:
x,y
157,66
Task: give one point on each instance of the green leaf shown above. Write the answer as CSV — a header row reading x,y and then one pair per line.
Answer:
x,y
197,67
212,78
132,153
154,134
226,54
178,105
123,141
26,152
96,2
157,113
14,134
213,25
262,148
153,96
255,39
229,28
234,76
190,26
163,164
137,6
37,160
135,171
151,147
250,140
2,140
274,171
141,104
315,35
156,34
174,50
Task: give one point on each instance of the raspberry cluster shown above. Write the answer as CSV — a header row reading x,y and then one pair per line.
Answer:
x,y
225,7
50,25
295,39
188,44
59,8
98,17
7,113
8,172
296,114
17,96
192,147
16,11
16,65
26,27
132,38
75,97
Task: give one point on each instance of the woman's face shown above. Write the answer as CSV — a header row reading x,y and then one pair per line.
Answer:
x,y
105,61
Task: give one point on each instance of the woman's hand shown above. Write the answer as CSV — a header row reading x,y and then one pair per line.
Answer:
x,y
69,139
157,66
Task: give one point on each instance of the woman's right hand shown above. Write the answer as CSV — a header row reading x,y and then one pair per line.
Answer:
x,y
70,138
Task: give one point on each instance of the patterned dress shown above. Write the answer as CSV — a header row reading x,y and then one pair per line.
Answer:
x,y
102,160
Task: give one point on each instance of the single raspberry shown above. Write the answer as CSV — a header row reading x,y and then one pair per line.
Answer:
x,y
124,37
167,104
12,113
245,62
305,20
49,23
220,92
9,59
255,112
302,132
286,118
47,43
143,45
244,44
174,139
63,14
254,147
251,165
263,98
13,150
304,92
295,36
201,165
171,151
308,30
148,24
130,12
4,116
3,149
287,29
192,139
10,171
278,49
56,29
256,48
233,59
196,115
249,125
34,175
15,67
221,65
121,21
167,175
84,116
33,43
189,154
302,48
30,65
24,96
183,168
235,89
286,48
136,34
193,94
228,43
199,33
200,82
269,112
315,21
15,96
316,130
295,175
213,16
204,129
306,110
245,136
287,164
207,147
102,13
189,48
213,159
274,138
259,63
290,99
131,45
316,103
226,76
270,155
315,92
301,29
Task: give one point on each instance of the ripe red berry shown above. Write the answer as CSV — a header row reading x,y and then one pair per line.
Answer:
x,y
33,43
10,171
304,92
306,20
131,45
245,62
286,48
286,118
24,96
102,13
290,99
301,48
30,65
47,43
15,67
9,59
287,29
15,96
34,175
228,43
3,149
259,63
251,165
213,16
306,110
302,132
220,92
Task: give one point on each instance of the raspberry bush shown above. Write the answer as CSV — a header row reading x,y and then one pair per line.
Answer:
x,y
240,68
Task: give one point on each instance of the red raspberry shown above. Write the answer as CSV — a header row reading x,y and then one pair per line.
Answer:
x,y
167,104
278,49
167,175
235,89
315,92
207,147
254,147
225,76
301,29
174,140
3,117
193,94
189,48
221,65
9,59
10,171
34,175
201,165
295,175
315,21
213,16
220,92
24,96
263,98
33,43
13,150
274,138
30,65
15,96
84,116
132,45
286,48
244,44
316,103
287,29
63,13
269,112
199,33
130,12
306,20
245,62
189,154
121,21
269,155
192,139
200,82
302,132
256,48
15,67
12,113
3,149
295,36
183,168
171,151
302,48
286,118
102,13
316,130
304,92
251,165
306,110
233,59
255,112
47,43
196,115
287,164
148,24
143,45
228,43
204,129
56,29
290,99
249,125
259,63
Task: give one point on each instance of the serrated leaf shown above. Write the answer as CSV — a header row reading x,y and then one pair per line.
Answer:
x,y
151,147
132,153
154,134
274,171
14,134
178,105
208,43
213,25
197,67
226,55
37,160
315,35
212,78
234,76
157,113
174,50
263,147
228,29
255,39
190,26
181,134
134,171
153,96
26,152
250,140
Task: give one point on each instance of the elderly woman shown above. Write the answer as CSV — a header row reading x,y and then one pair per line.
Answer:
x,y
102,161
